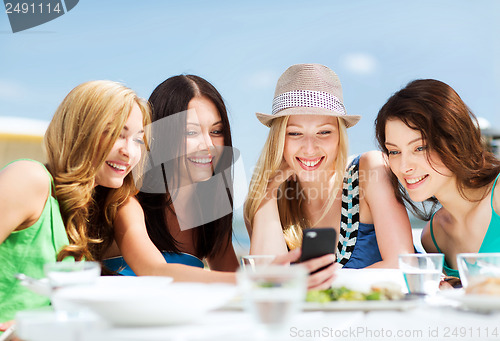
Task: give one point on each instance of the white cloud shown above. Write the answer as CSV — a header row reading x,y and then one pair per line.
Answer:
x,y
483,123
359,63
10,90
22,126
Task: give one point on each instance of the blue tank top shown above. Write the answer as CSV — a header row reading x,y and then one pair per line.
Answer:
x,y
118,264
491,241
357,247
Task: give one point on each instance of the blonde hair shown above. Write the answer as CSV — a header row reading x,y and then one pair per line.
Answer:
x,y
292,215
80,136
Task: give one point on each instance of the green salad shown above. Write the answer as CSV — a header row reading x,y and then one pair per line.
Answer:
x,y
344,294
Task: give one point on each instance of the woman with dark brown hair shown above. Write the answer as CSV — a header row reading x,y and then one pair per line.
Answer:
x,y
190,151
435,151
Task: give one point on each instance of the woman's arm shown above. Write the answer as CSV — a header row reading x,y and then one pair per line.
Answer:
x,y
267,235
144,258
265,231
24,188
392,225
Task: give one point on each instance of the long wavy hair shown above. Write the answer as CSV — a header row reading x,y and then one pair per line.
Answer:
x,y
290,206
79,138
170,100
448,127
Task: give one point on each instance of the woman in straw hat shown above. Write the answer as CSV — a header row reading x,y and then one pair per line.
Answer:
x,y
183,213
436,155
301,179
67,207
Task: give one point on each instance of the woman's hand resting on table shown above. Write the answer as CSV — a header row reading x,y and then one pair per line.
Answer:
x,y
317,281
449,282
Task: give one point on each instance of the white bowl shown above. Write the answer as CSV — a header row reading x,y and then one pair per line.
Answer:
x,y
133,281
144,304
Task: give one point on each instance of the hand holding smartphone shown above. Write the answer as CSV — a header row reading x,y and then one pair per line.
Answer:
x,y
317,242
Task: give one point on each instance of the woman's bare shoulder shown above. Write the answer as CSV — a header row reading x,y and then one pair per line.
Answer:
x,y
24,189
129,216
373,168
426,239
26,178
438,221
372,159
131,207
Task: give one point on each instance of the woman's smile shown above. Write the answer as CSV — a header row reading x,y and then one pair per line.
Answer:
x,y
201,161
309,164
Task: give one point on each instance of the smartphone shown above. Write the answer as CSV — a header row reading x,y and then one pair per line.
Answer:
x,y
317,242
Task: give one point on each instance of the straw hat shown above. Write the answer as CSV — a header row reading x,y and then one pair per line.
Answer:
x,y
308,89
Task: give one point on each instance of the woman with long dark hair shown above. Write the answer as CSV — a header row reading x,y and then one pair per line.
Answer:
x,y
194,179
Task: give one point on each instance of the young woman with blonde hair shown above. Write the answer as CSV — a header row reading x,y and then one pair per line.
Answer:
x,y
301,179
68,207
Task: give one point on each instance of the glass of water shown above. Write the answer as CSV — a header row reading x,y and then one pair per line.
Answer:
x,y
477,268
422,272
250,262
273,294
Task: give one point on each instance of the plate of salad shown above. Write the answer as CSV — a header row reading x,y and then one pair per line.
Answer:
x,y
381,296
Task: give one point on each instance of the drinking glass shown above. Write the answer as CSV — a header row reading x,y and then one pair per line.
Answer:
x,y
64,274
250,262
422,272
273,294
475,268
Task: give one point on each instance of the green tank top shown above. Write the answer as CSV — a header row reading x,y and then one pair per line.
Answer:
x,y
491,241
26,251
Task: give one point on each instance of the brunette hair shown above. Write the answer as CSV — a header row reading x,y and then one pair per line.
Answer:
x,y
448,127
170,99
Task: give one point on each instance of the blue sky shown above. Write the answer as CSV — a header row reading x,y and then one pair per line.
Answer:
x,y
375,47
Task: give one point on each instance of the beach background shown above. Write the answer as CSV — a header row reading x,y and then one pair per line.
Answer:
x,y
375,47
